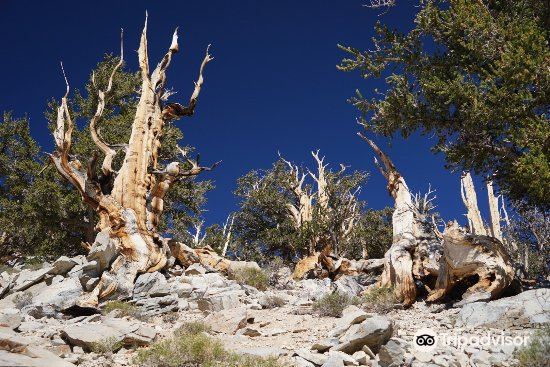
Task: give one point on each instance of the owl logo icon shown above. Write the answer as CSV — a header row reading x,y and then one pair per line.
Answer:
x,y
425,340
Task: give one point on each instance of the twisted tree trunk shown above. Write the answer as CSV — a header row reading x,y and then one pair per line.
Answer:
x,y
398,260
480,262
129,202
475,259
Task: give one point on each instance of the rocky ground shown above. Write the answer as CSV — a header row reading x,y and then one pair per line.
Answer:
x,y
40,324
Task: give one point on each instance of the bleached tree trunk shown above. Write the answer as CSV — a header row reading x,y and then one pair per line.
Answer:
x,y
227,233
301,210
469,198
130,209
321,180
398,260
526,259
198,236
494,212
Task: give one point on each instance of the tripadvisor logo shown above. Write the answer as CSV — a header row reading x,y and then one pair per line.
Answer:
x,y
425,340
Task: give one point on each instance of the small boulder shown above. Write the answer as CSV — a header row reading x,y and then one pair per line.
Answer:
x,y
195,269
85,271
334,361
236,266
103,250
315,358
361,357
6,281
351,315
63,265
10,318
314,289
393,352
229,321
28,278
151,285
158,305
347,359
348,285
57,297
325,344
300,362
373,332
220,301
111,330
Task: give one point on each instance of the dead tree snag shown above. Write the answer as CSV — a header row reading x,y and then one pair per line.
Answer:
x,y
130,208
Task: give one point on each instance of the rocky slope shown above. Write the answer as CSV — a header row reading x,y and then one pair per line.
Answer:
x,y
40,324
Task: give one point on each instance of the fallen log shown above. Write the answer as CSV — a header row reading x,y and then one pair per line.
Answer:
x,y
205,256
479,262
324,264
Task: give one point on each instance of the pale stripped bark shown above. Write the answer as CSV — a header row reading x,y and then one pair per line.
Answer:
x,y
496,230
469,198
227,233
129,211
198,237
300,211
321,180
474,256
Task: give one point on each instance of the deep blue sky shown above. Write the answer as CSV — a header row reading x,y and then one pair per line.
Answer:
x,y
273,85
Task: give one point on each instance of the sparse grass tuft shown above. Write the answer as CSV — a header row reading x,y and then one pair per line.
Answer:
x,y
122,308
21,300
193,328
106,346
253,277
190,347
380,299
273,301
170,317
332,304
34,263
537,353
273,270
7,269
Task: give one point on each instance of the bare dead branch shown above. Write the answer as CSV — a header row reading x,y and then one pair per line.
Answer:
x,y
496,230
375,4
158,79
175,110
321,180
142,53
107,150
227,233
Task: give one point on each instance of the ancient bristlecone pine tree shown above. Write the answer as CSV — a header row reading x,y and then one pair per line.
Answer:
x,y
415,250
421,254
129,201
